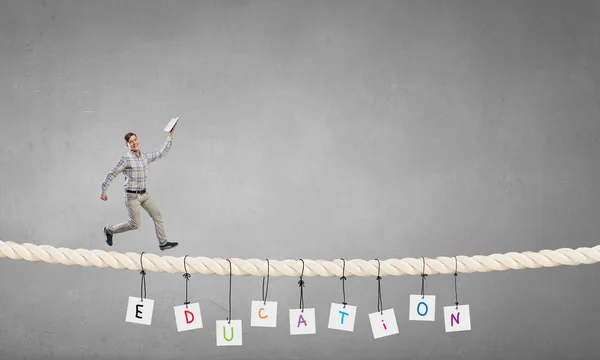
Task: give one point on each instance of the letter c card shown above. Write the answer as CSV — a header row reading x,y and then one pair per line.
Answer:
x,y
264,314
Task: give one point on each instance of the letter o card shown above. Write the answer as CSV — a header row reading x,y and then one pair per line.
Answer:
x,y
188,317
342,317
457,319
302,323
139,311
264,314
229,334
422,308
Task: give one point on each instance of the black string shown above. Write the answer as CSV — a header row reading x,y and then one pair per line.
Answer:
x,y
343,278
229,318
187,277
301,285
379,299
265,293
423,275
143,285
455,277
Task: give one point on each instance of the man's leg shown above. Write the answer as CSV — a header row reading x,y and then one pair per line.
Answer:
x,y
149,205
132,202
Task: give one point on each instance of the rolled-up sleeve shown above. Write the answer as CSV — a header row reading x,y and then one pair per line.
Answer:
x,y
118,168
164,150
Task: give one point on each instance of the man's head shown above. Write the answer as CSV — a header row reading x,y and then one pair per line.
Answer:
x,y
132,141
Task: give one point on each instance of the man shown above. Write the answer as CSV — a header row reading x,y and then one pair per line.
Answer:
x,y
134,165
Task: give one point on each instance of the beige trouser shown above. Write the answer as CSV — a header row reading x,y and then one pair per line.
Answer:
x,y
133,202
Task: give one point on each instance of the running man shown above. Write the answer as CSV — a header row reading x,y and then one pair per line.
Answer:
x,y
134,165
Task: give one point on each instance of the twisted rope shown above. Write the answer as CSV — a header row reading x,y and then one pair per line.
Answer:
x,y
324,268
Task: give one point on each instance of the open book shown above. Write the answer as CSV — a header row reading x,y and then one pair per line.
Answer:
x,y
171,123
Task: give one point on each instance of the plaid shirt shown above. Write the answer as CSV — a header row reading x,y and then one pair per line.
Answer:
x,y
134,168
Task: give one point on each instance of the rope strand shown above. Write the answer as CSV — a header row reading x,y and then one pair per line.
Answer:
x,y
323,268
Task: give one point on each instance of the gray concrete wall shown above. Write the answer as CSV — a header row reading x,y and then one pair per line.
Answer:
x,y
317,130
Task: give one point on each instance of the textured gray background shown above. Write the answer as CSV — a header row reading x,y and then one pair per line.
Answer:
x,y
309,130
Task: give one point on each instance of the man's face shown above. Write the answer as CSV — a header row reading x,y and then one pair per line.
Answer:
x,y
133,144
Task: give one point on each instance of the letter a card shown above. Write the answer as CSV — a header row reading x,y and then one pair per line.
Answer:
x,y
139,311
342,317
188,317
457,319
229,333
302,323
383,323
264,314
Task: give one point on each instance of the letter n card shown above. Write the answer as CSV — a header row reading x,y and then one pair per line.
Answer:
x,y
139,311
457,319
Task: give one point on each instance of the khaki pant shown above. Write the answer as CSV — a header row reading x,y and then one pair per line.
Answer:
x,y
133,202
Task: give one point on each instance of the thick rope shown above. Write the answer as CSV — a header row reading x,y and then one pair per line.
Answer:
x,y
258,267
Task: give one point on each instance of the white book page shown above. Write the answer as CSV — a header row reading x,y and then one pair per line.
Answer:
x,y
171,123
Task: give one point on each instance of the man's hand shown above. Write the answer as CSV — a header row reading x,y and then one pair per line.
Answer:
x,y
104,197
173,129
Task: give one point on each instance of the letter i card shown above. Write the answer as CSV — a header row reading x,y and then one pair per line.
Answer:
x,y
383,323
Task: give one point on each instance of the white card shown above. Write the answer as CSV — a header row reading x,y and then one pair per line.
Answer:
x,y
188,317
229,334
342,318
264,315
170,125
302,323
383,324
422,308
457,319
138,311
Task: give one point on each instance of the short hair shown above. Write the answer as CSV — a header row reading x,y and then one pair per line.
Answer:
x,y
128,136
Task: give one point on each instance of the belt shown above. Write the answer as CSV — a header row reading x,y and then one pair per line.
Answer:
x,y
136,191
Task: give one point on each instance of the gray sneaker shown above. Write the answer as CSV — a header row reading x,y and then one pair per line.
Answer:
x,y
168,245
108,237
